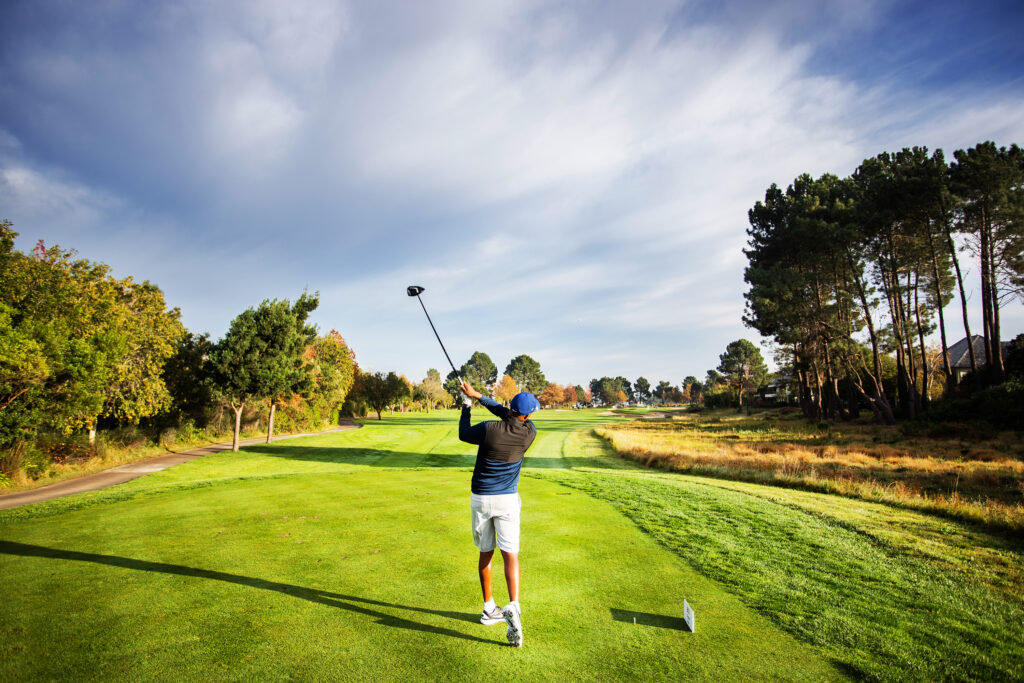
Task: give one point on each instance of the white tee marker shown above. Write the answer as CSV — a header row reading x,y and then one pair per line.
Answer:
x,y
688,616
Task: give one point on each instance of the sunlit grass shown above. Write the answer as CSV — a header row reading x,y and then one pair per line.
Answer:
x,y
979,479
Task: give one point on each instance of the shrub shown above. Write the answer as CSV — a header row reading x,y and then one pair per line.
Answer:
x,y
168,437
11,459
187,431
721,399
1001,406
36,463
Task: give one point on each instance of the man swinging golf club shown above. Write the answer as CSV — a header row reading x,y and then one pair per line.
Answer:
x,y
495,502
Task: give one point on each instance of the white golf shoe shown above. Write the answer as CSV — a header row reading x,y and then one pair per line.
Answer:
x,y
513,617
492,616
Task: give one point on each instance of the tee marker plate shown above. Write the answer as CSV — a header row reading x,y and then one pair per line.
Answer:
x,y
688,616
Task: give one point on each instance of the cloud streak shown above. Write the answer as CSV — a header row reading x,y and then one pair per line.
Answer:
x,y
567,181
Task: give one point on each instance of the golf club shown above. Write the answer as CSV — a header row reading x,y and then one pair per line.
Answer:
x,y
415,290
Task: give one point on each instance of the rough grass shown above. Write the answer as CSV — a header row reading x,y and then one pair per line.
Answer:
x,y
980,480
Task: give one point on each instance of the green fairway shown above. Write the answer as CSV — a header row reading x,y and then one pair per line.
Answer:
x,y
349,556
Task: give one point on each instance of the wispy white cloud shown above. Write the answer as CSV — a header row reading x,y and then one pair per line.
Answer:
x,y
567,181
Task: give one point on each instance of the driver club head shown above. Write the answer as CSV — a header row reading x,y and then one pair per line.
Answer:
x,y
413,290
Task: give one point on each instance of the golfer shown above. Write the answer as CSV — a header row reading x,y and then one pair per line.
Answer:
x,y
495,502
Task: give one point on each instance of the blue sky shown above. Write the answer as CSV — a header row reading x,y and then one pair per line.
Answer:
x,y
567,179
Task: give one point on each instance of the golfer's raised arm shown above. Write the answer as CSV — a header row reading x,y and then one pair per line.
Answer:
x,y
495,407
473,434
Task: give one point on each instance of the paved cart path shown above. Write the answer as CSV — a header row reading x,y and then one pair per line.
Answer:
x,y
134,470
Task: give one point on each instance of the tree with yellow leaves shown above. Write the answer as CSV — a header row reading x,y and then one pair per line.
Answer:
x,y
505,389
552,395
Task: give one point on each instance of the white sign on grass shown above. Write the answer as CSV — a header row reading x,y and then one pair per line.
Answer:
x,y
688,616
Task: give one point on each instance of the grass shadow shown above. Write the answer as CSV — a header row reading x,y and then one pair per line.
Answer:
x,y
351,603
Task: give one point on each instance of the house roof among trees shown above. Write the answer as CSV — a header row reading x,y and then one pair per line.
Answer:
x,y
960,358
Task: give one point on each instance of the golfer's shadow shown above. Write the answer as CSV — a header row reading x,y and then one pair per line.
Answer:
x,y
340,600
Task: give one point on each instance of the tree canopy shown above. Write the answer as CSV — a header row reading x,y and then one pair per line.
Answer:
x,y
77,344
527,374
480,371
843,271
743,367
642,389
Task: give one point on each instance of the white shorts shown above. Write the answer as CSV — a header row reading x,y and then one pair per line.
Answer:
x,y
496,521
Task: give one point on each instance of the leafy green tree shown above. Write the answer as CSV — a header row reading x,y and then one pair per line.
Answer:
x,y
332,369
261,356
743,367
453,385
149,335
661,391
67,350
527,374
608,389
380,390
625,387
642,389
431,391
581,395
403,393
282,336
184,376
696,390
480,371
233,367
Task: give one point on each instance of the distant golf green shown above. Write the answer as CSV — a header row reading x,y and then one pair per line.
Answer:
x,y
348,557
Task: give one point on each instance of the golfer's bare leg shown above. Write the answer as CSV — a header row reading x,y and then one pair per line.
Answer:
x,y
485,574
511,561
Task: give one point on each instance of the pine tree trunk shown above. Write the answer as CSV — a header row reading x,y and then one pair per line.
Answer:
x,y
270,421
986,293
947,389
920,339
963,304
998,374
875,356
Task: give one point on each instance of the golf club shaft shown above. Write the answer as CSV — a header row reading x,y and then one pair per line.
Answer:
x,y
438,336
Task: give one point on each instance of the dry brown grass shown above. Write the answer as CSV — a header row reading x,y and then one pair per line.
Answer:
x,y
964,476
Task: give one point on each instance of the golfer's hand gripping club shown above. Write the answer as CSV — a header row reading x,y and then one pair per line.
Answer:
x,y
468,390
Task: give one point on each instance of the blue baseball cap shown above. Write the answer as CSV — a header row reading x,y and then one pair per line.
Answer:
x,y
525,403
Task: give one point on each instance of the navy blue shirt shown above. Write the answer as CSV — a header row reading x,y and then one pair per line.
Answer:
x,y
502,445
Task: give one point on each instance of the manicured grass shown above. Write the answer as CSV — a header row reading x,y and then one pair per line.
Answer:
x,y
348,556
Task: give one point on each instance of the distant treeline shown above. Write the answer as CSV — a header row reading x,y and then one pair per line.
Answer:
x,y
850,275
81,350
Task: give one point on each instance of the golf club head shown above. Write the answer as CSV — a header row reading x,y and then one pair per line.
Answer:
x,y
413,290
